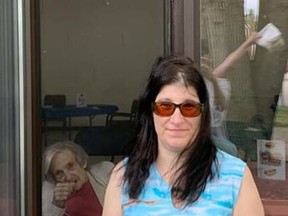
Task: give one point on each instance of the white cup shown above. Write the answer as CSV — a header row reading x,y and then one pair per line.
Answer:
x,y
271,38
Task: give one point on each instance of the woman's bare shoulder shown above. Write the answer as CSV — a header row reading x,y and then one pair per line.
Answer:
x,y
249,202
118,172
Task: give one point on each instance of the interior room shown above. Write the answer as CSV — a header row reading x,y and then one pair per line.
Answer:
x,y
96,49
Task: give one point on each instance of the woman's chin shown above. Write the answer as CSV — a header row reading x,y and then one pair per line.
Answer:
x,y
177,146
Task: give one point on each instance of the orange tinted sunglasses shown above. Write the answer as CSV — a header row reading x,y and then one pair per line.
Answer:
x,y
187,109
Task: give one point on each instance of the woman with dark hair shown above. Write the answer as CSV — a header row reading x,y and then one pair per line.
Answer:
x,y
174,167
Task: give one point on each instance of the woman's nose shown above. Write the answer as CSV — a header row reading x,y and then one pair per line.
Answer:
x,y
68,175
176,116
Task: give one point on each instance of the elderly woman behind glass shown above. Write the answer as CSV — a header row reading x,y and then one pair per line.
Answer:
x,y
71,187
175,168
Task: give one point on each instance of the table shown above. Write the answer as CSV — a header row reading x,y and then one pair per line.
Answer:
x,y
105,141
70,111
274,193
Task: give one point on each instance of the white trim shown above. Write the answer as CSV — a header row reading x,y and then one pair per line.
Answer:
x,y
21,96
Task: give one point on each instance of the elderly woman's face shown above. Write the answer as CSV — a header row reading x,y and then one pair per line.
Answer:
x,y
65,168
175,132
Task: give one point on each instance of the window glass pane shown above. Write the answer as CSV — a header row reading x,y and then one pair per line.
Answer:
x,y
9,128
95,58
101,49
247,82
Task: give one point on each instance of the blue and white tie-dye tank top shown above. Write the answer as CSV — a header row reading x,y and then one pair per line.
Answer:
x,y
218,198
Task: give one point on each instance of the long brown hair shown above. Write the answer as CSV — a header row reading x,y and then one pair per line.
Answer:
x,y
199,157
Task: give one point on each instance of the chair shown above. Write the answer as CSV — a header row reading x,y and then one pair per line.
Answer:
x,y
105,141
124,119
244,135
55,101
225,145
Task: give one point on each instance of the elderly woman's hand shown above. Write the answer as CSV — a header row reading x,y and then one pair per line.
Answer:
x,y
61,193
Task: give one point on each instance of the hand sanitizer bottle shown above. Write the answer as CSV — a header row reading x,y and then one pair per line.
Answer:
x,y
81,100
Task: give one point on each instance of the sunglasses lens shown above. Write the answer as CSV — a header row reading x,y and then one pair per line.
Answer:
x,y
191,109
164,108
187,109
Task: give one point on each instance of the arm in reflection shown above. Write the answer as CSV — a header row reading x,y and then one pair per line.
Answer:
x,y
233,57
228,62
219,87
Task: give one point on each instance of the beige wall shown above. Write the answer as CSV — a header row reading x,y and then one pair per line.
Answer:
x,y
102,48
